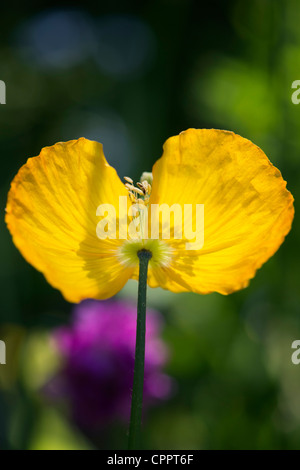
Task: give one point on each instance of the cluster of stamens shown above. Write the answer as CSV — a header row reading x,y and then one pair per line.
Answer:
x,y
140,193
128,253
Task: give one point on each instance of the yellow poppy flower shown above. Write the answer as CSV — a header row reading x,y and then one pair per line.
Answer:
x,y
52,214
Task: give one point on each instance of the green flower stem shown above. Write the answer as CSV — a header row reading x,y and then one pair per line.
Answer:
x,y
138,378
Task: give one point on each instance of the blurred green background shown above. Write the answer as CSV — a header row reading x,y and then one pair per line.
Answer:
x,y
130,75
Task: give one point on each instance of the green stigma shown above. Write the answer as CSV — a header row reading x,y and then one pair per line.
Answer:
x,y
147,176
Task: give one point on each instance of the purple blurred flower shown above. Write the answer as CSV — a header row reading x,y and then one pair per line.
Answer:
x,y
98,361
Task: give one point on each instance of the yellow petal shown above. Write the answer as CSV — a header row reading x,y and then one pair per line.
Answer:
x,y
247,209
51,214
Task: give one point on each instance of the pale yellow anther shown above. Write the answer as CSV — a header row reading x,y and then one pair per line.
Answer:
x,y
140,185
129,180
139,191
146,186
129,186
132,188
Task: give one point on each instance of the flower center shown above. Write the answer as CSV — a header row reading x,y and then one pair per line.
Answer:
x,y
161,252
